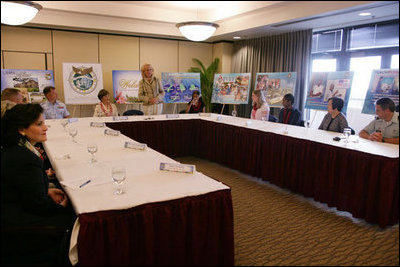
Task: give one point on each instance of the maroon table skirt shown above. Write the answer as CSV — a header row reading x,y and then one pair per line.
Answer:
x,y
363,184
195,230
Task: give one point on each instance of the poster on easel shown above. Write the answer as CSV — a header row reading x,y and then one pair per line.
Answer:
x,y
82,82
126,86
30,82
231,88
383,83
179,87
276,85
325,85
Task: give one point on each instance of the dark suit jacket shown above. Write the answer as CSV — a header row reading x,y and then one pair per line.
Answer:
x,y
294,118
24,191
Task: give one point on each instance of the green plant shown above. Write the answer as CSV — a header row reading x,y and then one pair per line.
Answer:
x,y
206,79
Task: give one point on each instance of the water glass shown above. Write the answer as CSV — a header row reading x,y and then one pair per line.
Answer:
x,y
64,123
346,133
307,124
118,174
234,113
73,132
92,149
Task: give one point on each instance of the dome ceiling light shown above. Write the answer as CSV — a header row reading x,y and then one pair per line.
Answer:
x,y
18,12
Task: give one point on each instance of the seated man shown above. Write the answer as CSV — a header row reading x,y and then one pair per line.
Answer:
x,y
53,109
385,128
9,98
288,114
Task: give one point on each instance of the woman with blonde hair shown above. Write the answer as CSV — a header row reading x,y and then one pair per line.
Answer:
x,y
150,91
260,109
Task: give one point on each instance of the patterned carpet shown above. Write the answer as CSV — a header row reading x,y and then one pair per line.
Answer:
x,y
275,227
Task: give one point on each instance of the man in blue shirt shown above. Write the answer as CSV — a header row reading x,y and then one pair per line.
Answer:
x,y
53,109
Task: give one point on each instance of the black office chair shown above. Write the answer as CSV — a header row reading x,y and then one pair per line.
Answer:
x,y
133,112
272,118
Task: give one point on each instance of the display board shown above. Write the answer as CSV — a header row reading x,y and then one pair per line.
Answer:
x,y
126,85
383,83
179,86
82,82
30,82
231,88
276,85
325,85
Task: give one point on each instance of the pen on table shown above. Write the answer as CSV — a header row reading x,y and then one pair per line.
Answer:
x,y
85,183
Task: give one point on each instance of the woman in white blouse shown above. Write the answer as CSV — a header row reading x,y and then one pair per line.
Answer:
x,y
260,109
105,108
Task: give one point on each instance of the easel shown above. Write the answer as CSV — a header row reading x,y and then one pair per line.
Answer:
x,y
233,112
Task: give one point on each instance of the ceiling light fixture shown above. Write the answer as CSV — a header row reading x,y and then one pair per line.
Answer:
x,y
18,12
364,14
197,30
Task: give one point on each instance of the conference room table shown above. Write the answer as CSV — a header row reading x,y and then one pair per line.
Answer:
x,y
176,218
162,218
359,176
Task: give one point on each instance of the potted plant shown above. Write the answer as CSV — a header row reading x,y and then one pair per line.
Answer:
x,y
206,80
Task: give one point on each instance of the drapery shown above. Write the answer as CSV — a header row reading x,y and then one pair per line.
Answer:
x,y
288,52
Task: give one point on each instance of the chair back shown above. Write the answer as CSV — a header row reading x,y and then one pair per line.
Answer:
x,y
133,112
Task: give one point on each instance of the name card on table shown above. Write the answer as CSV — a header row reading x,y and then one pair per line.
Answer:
x,y
97,124
177,167
120,118
172,116
248,123
204,114
71,120
138,146
111,132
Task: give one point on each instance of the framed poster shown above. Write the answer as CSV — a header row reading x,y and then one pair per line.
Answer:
x,y
126,85
179,87
325,85
231,88
82,82
276,85
30,82
383,83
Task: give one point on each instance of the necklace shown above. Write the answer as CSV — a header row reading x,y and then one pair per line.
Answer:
x,y
105,108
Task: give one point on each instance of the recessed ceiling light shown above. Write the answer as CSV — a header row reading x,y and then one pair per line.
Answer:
x,y
363,14
237,37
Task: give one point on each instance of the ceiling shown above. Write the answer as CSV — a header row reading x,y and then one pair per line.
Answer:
x,y
247,19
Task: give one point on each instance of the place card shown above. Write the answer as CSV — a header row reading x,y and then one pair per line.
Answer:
x,y
111,132
71,120
172,116
248,123
204,114
133,145
97,124
177,167
120,118
63,157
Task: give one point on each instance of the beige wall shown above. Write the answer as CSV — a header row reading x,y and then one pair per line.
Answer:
x,y
223,51
29,48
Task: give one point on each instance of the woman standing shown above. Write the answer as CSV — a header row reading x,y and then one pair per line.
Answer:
x,y
150,91
105,108
260,109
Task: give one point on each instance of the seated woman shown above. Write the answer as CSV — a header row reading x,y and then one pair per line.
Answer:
x,y
260,106
105,108
334,120
26,199
196,104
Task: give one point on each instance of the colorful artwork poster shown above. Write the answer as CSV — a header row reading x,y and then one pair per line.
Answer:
x,y
82,82
126,85
325,85
231,88
29,82
276,85
383,83
179,86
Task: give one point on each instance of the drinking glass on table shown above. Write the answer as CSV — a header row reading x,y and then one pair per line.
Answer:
x,y
118,174
73,132
346,133
92,149
64,123
307,124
